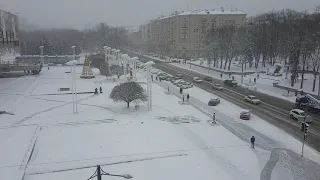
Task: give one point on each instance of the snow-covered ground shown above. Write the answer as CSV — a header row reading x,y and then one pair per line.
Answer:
x,y
45,140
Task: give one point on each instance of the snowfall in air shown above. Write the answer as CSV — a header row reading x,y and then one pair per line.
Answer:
x,y
45,140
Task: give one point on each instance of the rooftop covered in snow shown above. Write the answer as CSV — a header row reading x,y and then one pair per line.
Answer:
x,y
202,12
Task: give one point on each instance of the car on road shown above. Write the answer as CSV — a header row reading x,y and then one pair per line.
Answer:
x,y
213,102
252,99
217,87
299,115
197,80
207,78
231,83
179,74
245,114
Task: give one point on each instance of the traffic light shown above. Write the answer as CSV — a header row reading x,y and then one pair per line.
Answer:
x,y
304,127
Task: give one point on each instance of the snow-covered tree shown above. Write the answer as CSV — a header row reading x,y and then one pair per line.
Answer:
x,y
116,69
128,92
104,69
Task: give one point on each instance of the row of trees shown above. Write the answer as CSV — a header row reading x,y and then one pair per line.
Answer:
x,y
285,36
59,41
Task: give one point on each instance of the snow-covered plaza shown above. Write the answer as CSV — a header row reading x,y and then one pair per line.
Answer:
x,y
45,140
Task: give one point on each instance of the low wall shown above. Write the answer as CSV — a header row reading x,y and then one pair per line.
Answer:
x,y
225,71
277,85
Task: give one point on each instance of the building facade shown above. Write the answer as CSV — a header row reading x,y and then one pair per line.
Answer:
x,y
184,34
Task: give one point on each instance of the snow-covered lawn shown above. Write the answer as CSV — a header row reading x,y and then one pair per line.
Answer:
x,y
172,141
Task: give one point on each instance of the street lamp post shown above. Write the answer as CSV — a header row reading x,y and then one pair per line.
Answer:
x,y
74,82
41,52
105,53
149,84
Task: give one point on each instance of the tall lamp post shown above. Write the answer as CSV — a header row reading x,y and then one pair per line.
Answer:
x,y
73,75
105,53
41,53
149,84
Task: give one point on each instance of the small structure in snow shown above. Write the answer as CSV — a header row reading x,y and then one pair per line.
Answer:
x,y
87,71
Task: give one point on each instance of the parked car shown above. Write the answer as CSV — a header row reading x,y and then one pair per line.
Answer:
x,y
177,77
169,78
231,83
190,85
252,99
197,80
179,74
245,114
162,74
217,87
177,81
300,115
213,102
207,78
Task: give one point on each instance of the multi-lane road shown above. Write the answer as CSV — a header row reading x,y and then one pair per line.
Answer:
x,y
272,109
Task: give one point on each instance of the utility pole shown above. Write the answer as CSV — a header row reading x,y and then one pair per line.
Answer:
x,y
319,86
98,172
304,129
241,70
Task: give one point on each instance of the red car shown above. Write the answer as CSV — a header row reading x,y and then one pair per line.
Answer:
x,y
245,114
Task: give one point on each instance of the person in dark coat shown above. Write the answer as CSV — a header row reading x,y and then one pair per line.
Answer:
x,y
188,97
96,91
100,89
253,139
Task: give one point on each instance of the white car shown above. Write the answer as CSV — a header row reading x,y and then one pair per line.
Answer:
x,y
252,99
217,87
299,115
197,80
177,81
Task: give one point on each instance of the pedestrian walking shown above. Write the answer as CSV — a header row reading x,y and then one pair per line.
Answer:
x,y
156,78
168,90
254,80
151,77
181,90
96,91
188,97
214,118
100,89
221,75
253,139
183,98
258,76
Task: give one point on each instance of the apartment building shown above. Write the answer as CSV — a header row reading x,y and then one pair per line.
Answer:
x,y
184,34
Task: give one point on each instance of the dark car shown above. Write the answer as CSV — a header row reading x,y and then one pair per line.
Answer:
x,y
214,102
207,78
231,83
245,114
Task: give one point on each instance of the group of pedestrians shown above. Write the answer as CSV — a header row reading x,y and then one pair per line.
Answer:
x,y
96,90
188,97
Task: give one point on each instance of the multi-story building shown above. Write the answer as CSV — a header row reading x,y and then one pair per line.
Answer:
x,y
184,34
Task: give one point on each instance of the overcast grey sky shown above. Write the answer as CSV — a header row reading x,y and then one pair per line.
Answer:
x,y
83,13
